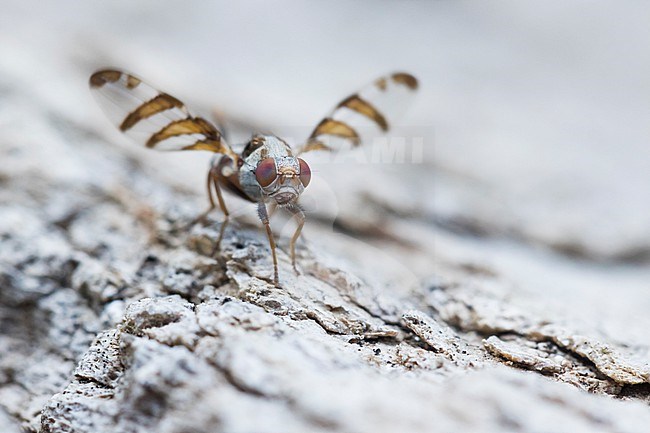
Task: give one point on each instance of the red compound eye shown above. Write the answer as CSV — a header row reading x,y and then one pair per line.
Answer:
x,y
305,173
265,172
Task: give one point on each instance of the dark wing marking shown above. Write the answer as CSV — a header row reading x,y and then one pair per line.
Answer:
x,y
360,116
158,104
153,118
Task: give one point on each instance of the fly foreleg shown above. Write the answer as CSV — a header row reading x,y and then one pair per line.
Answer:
x,y
224,209
264,217
299,213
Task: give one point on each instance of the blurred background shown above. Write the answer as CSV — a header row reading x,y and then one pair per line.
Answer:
x,y
534,120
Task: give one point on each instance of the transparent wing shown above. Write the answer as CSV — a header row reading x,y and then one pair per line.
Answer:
x,y
153,118
365,115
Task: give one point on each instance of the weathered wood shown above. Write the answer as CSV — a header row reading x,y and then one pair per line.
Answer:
x,y
114,318
423,302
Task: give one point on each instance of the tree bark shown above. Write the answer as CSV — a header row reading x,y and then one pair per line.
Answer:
x,y
115,317
422,303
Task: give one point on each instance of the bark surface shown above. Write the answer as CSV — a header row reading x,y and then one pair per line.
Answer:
x,y
424,302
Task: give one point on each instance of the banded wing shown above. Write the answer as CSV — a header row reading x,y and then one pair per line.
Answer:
x,y
153,118
364,115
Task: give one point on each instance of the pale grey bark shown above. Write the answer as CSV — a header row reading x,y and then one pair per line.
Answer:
x,y
115,318
424,301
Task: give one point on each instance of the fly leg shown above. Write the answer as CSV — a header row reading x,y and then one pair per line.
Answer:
x,y
224,209
201,218
299,213
273,206
264,216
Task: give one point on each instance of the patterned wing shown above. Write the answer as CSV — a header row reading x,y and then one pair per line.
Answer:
x,y
366,114
153,118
